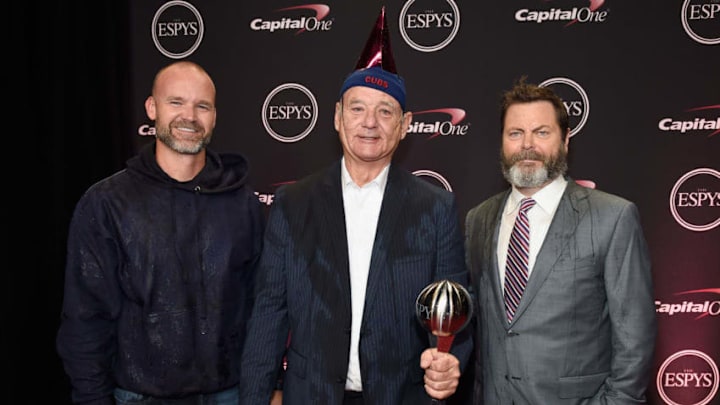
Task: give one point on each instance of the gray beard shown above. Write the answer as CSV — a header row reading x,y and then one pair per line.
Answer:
x,y
552,167
165,136
526,178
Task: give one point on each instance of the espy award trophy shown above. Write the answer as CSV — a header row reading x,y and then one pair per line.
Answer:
x,y
444,308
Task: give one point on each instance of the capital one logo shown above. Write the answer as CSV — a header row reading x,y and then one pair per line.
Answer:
x,y
570,16
699,307
694,123
435,176
448,124
177,29
428,26
574,98
314,22
695,200
688,377
289,112
701,20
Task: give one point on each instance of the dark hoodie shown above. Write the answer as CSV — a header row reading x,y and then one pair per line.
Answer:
x,y
158,280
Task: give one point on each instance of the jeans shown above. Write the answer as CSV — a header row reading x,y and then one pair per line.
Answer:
x,y
227,397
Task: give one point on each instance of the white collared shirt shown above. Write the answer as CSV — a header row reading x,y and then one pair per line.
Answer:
x,y
362,209
547,200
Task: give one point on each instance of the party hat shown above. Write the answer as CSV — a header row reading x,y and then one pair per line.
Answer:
x,y
377,50
376,66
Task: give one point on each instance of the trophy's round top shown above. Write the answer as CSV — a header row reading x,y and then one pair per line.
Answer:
x,y
444,307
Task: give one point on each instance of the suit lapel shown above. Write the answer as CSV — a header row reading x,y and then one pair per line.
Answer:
x,y
490,246
390,212
332,223
572,207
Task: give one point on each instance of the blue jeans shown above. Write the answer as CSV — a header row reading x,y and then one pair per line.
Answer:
x,y
227,397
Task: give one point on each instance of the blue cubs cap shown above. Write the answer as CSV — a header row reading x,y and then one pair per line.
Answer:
x,y
379,79
376,66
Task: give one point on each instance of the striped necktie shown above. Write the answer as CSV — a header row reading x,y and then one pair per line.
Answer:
x,y
516,269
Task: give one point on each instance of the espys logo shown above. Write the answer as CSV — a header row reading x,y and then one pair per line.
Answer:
x,y
695,200
700,20
177,29
701,308
302,24
694,123
589,14
440,126
429,26
575,99
289,112
435,177
688,377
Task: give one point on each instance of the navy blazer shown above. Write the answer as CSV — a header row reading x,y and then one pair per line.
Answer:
x,y
303,289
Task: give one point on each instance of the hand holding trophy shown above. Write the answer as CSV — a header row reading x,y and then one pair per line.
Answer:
x,y
444,308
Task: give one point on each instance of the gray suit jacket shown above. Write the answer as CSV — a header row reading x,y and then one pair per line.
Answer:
x,y
303,288
584,332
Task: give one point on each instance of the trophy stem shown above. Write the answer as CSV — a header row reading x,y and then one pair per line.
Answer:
x,y
444,343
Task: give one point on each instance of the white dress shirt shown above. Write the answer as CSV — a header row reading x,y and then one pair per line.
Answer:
x,y
362,209
540,216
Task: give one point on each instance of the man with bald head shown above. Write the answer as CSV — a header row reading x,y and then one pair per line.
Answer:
x,y
160,259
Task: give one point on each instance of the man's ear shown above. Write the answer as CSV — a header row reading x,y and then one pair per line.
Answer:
x,y
406,121
338,115
150,108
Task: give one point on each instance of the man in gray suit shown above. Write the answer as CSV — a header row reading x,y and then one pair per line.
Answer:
x,y
568,317
347,251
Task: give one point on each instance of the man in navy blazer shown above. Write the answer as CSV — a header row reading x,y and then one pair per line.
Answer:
x,y
583,330
347,251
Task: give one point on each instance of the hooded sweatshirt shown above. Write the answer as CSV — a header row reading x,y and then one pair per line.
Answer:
x,y
158,280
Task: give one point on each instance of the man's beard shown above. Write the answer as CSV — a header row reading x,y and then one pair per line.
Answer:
x,y
188,147
527,176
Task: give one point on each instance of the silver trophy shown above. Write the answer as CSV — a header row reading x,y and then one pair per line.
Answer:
x,y
444,308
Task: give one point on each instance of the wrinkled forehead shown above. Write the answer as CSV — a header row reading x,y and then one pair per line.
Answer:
x,y
540,110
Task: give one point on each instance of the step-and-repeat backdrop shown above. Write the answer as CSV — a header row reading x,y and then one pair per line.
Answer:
x,y
640,80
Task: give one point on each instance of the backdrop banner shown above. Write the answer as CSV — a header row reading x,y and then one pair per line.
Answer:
x,y
639,79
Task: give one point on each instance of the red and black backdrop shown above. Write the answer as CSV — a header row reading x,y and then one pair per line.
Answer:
x,y
640,82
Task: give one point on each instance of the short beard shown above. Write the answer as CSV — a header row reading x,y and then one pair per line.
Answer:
x,y
526,177
164,134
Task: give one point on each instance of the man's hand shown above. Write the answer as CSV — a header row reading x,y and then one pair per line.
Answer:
x,y
276,398
442,373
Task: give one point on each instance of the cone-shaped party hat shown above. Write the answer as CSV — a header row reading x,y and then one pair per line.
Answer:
x,y
376,66
377,50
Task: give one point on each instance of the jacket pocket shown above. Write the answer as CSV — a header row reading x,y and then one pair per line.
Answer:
x,y
583,386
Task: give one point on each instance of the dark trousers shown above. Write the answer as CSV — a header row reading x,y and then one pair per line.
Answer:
x,y
227,397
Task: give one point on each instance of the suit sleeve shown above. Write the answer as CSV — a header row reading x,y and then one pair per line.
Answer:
x,y
267,330
629,289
